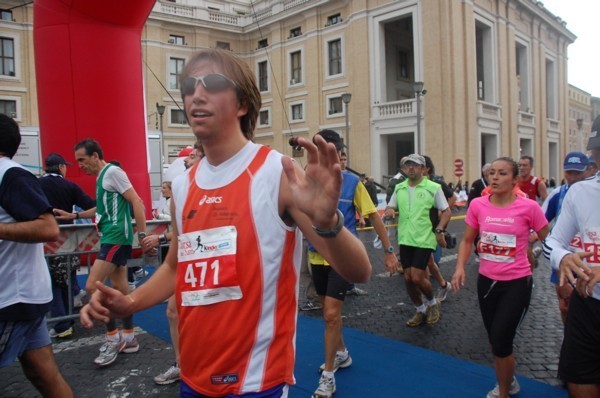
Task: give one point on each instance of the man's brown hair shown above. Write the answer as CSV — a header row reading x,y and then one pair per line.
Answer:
x,y
238,71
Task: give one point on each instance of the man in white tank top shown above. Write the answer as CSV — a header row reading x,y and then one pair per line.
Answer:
x,y
221,103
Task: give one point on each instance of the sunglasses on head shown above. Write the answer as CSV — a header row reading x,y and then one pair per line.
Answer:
x,y
212,83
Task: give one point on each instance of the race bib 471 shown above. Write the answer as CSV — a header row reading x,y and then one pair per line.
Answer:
x,y
208,261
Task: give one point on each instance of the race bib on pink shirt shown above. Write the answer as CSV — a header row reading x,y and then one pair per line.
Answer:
x,y
500,248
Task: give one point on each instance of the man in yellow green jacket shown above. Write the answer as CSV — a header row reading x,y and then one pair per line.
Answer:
x,y
417,238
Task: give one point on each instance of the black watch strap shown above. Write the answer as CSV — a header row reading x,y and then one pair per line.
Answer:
x,y
439,231
331,233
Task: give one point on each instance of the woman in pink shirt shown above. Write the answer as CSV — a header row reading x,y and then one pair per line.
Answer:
x,y
503,220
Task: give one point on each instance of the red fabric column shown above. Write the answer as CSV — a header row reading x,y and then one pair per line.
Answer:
x,y
88,62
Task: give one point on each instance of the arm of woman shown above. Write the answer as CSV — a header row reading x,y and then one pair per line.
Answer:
x,y
543,233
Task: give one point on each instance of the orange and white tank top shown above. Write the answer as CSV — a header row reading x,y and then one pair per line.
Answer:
x,y
237,275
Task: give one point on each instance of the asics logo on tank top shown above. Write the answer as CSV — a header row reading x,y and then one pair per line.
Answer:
x,y
210,200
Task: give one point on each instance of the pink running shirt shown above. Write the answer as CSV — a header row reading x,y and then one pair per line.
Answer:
x,y
504,234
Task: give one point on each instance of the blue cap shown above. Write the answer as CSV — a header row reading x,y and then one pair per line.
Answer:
x,y
576,161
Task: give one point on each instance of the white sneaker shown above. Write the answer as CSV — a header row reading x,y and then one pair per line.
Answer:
x,y
443,292
60,335
78,299
356,291
109,352
140,274
326,387
171,375
340,361
513,390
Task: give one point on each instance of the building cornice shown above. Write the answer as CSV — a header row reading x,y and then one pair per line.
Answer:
x,y
536,7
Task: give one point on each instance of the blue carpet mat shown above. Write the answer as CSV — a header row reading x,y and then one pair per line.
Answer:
x,y
381,367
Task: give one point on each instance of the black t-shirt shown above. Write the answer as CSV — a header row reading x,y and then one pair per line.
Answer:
x,y
392,185
63,194
372,190
434,215
22,197
476,188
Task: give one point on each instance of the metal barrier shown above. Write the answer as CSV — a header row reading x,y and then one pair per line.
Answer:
x,y
83,240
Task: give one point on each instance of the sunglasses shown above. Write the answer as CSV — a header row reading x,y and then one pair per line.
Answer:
x,y
212,83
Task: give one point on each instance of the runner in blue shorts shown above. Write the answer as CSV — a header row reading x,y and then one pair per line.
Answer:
x,y
25,293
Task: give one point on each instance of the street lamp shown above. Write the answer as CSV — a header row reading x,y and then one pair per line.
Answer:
x,y
419,92
346,97
161,111
580,134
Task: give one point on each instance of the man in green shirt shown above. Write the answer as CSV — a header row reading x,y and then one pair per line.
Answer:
x,y
114,197
413,199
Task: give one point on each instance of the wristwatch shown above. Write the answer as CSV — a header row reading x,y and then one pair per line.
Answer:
x,y
162,239
141,236
439,231
331,233
390,250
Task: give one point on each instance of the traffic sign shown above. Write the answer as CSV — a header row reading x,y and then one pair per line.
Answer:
x,y
459,172
458,163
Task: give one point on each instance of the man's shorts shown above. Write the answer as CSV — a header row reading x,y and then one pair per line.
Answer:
x,y
115,254
416,257
328,282
16,337
580,353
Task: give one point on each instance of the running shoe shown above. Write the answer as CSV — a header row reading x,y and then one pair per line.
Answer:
x,y
443,292
132,286
169,376
355,291
310,306
61,335
433,313
326,387
131,346
78,299
140,274
109,352
417,319
341,360
513,390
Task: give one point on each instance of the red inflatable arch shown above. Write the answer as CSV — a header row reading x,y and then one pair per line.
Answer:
x,y
88,62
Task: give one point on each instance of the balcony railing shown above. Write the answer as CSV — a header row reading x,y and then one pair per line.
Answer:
x,y
553,125
395,109
487,110
221,17
527,119
177,9
287,4
226,17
